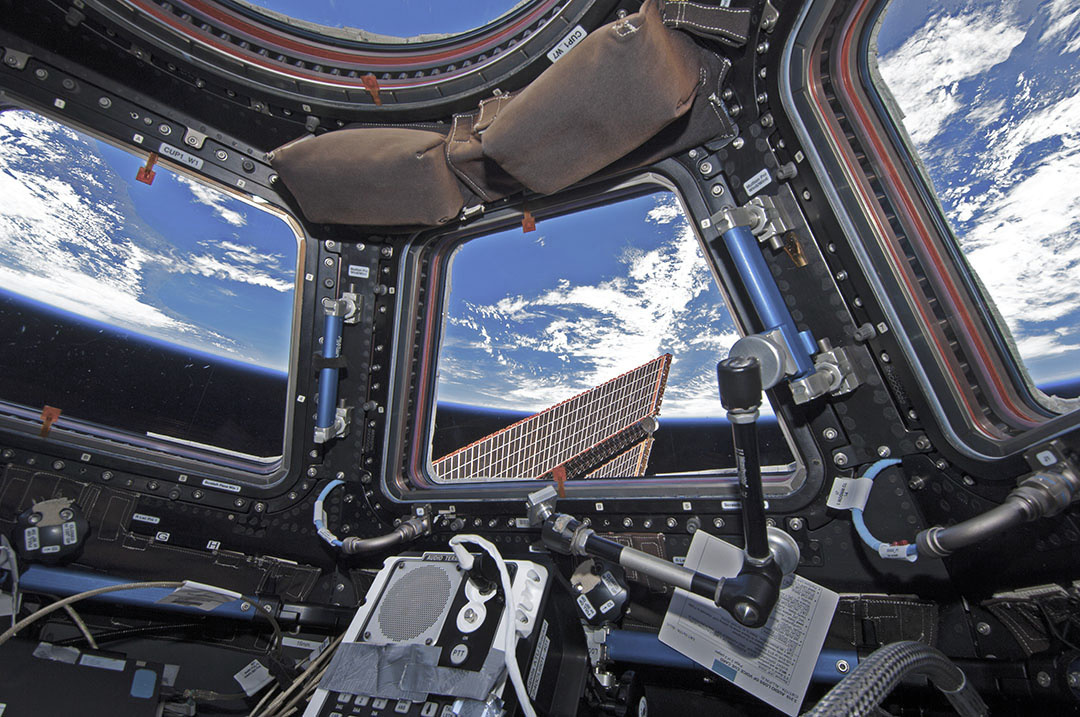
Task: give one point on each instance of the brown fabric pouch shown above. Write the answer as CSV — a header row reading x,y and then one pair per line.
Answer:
x,y
617,88
375,176
465,154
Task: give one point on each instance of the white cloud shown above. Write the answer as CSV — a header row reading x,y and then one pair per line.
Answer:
x,y
923,73
1063,25
216,200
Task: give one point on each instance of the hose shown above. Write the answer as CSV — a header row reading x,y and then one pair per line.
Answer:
x,y
408,530
859,694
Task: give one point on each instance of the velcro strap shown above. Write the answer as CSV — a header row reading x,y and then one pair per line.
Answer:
x,y
320,362
729,25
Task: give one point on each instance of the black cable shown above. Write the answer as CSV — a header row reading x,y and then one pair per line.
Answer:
x,y
130,632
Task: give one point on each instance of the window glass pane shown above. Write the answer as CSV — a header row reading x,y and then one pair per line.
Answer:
x,y
535,319
987,92
161,310
403,18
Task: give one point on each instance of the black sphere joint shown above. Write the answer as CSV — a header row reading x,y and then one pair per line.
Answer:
x,y
740,383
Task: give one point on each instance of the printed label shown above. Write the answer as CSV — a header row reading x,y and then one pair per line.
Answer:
x,y
144,518
32,538
167,150
70,533
359,272
105,663
607,607
211,483
198,595
567,43
849,493
253,677
50,549
586,607
757,182
896,552
611,583
536,671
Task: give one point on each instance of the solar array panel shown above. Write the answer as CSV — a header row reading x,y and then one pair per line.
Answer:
x,y
535,445
631,462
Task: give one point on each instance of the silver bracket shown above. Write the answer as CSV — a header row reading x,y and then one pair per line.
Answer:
x,y
193,139
470,213
834,373
765,218
342,421
15,59
346,306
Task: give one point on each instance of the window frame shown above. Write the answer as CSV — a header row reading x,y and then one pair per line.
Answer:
x,y
406,469
177,458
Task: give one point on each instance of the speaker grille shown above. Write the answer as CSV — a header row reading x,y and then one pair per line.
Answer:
x,y
414,603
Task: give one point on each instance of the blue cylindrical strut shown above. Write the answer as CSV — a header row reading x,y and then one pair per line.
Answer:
x,y
760,285
328,377
67,581
645,648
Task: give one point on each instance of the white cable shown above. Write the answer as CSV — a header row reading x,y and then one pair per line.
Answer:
x,y
13,564
510,633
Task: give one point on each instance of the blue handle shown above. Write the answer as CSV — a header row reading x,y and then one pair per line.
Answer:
x,y
328,377
66,581
743,247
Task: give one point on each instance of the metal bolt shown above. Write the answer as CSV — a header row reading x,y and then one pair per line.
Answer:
x,y
106,475
840,459
312,472
884,451
693,524
693,154
164,129
842,666
718,522
727,94
717,190
735,110
830,434
968,480
1074,680
293,495
8,453
763,72
770,522
841,275
671,523
221,154
328,283
738,142
763,47
58,465
239,502
313,453
1043,678
917,483
196,494
885,357
767,120
940,464
245,606
795,524
806,194
260,507
762,98
628,522
983,628
387,251
38,73
912,414
705,167
153,485
922,443
328,261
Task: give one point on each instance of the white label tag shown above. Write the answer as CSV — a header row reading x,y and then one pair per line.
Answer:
x,y
203,597
607,607
167,150
849,493
586,607
359,272
50,549
572,38
896,552
144,518
32,538
70,533
253,677
105,663
211,483
539,659
612,585
757,182
773,662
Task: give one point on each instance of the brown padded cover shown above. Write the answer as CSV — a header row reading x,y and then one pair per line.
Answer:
x,y
374,175
617,88
465,153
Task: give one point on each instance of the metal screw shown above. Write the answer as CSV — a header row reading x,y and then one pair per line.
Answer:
x,y
106,475
767,120
8,453
1043,678
735,110
982,628
830,434
968,480
260,507
717,190
840,459
738,142
762,98
328,261
841,275
705,167
239,502
293,495
196,494
770,522
245,606
671,522
387,251
842,666
727,94
718,522
628,522
795,524
221,154
312,472
885,357
164,129
38,73
884,451
922,443
693,524
763,72
940,464
104,103
58,465
152,485
917,483
1074,679
806,194
693,154
763,47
